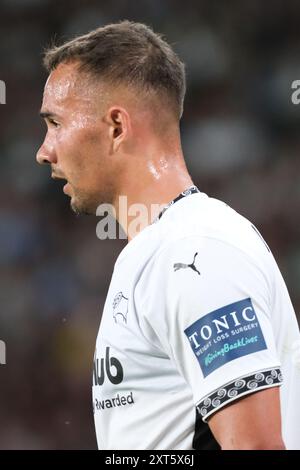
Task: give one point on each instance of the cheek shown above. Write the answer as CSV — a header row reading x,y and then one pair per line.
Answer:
x,y
83,155
64,142
92,148
68,148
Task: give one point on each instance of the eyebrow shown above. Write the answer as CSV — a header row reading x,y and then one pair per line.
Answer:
x,y
47,114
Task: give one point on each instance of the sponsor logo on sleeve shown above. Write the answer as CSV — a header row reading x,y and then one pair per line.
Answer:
x,y
225,334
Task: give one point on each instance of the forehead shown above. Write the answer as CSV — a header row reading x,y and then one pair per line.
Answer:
x,y
66,87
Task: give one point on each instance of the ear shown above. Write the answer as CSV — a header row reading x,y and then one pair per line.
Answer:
x,y
119,126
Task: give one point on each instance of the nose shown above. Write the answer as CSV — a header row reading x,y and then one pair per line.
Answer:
x,y
46,154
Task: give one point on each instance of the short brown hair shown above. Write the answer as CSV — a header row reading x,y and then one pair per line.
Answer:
x,y
126,53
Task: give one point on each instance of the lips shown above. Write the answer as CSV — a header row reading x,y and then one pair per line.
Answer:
x,y
66,186
57,177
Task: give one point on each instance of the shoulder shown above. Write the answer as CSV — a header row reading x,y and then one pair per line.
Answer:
x,y
208,221
206,247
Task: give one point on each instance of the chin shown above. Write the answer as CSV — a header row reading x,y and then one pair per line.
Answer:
x,y
81,207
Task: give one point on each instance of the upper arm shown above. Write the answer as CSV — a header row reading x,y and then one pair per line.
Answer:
x,y
217,329
253,422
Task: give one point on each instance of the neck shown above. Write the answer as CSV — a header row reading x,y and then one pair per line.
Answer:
x,y
143,196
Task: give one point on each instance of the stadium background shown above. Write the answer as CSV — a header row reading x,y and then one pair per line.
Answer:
x,y
241,139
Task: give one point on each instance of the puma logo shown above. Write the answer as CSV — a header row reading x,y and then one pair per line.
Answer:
x,y
177,266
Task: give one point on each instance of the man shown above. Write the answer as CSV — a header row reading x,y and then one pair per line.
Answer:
x,y
198,328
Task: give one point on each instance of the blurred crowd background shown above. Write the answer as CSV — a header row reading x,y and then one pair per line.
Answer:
x,y
241,138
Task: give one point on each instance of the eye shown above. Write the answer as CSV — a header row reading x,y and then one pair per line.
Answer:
x,y
53,123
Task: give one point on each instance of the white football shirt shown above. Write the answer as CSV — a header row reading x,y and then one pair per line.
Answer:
x,y
197,315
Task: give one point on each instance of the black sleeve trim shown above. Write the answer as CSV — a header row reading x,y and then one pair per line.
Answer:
x,y
236,389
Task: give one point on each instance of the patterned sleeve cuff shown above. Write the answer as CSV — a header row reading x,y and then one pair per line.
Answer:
x,y
236,389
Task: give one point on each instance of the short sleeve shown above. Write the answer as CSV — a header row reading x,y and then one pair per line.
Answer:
x,y
208,305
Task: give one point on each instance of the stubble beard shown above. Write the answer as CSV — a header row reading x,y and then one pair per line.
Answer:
x,y
83,204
